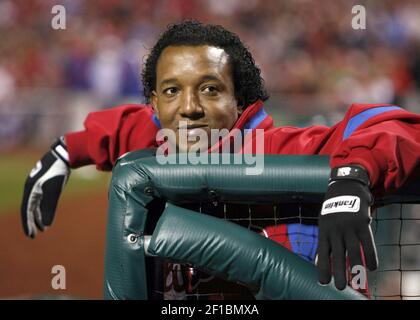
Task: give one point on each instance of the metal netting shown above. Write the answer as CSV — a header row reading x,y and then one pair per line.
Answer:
x,y
396,229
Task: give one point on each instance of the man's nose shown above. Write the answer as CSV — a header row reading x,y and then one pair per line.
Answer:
x,y
190,106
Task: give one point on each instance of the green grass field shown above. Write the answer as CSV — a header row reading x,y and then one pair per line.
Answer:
x,y
15,166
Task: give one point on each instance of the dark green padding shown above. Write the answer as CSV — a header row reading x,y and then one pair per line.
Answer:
x,y
239,255
286,178
125,269
138,179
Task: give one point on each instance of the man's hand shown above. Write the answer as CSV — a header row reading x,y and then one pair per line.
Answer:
x,y
344,224
43,188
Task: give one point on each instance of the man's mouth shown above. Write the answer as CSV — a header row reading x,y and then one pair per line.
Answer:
x,y
191,126
194,130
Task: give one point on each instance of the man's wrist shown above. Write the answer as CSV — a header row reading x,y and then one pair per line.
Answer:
x,y
60,149
350,172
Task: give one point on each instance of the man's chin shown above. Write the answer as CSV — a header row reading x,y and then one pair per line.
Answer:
x,y
193,147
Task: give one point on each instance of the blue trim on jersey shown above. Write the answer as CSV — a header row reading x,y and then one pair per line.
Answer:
x,y
156,121
256,119
362,117
303,240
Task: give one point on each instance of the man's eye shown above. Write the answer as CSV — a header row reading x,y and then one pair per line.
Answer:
x,y
210,89
170,91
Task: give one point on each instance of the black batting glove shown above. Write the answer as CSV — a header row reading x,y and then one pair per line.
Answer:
x,y
344,225
43,188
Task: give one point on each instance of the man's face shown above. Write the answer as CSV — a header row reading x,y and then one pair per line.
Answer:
x,y
194,84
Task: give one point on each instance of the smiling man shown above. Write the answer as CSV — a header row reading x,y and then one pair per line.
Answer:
x,y
199,78
195,88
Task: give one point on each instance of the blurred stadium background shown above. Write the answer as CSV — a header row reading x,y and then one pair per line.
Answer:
x,y
314,65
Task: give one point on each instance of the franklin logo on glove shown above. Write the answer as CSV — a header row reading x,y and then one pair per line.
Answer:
x,y
341,204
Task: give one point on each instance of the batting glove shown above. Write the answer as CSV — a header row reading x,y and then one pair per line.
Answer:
x,y
43,188
344,224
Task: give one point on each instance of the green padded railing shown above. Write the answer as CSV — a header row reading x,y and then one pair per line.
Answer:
x,y
139,180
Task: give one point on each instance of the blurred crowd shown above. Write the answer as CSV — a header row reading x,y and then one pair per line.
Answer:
x,y
312,61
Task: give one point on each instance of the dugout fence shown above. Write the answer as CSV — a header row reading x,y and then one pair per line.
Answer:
x,y
206,219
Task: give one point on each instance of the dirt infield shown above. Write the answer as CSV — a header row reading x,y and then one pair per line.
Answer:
x,y
76,240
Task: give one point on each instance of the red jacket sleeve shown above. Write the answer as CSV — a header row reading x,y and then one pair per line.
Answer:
x,y
383,139
109,134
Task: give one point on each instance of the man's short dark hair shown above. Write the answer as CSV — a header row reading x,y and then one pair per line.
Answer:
x,y
249,85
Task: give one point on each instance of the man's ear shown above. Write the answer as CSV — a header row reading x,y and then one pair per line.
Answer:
x,y
153,100
240,109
